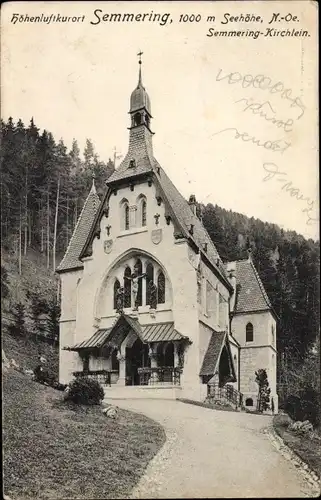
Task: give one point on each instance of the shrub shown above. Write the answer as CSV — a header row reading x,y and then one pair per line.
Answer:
x,y
43,376
18,327
85,391
306,406
283,420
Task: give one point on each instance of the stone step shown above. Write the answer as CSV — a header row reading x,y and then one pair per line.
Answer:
x,y
142,392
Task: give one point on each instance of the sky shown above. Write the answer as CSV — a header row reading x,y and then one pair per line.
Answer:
x,y
211,135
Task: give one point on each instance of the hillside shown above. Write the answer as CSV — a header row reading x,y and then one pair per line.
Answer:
x,y
57,450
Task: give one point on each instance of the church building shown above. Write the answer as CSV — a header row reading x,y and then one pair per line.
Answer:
x,y
148,308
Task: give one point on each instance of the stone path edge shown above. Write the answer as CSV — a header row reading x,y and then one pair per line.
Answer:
x,y
289,454
149,482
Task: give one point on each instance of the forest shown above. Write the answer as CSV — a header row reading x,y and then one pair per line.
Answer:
x,y
43,188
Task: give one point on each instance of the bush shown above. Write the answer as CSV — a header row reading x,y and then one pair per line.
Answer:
x,y
283,420
43,376
306,406
85,391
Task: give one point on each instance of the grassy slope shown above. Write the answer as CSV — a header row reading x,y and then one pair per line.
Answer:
x,y
306,447
25,352
54,450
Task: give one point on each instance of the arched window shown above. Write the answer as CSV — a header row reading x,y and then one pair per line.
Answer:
x,y
127,287
249,332
249,402
144,213
116,287
141,210
161,288
137,119
149,278
139,272
126,216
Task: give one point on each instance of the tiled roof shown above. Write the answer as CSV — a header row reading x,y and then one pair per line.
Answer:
x,y
141,151
114,336
80,234
160,332
212,355
96,341
250,292
186,219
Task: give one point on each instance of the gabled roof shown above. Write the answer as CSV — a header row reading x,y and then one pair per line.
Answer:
x,y
189,224
78,239
250,293
186,219
212,356
141,151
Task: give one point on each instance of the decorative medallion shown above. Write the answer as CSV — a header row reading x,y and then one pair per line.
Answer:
x,y
157,235
108,246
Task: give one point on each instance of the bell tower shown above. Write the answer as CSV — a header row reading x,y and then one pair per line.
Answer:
x,y
140,108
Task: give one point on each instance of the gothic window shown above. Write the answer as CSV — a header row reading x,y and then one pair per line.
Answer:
x,y
273,333
126,215
161,288
249,332
116,287
127,287
149,278
139,271
143,213
249,402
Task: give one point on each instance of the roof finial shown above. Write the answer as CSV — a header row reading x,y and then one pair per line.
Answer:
x,y
93,187
140,53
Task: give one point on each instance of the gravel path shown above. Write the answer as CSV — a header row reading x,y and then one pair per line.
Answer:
x,y
212,454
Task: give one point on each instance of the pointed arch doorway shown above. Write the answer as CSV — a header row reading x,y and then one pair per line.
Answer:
x,y
136,357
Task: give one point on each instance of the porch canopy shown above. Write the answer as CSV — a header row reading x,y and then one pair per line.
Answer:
x,y
218,348
125,325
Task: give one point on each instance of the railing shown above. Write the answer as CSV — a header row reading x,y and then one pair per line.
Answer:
x,y
160,375
102,376
226,393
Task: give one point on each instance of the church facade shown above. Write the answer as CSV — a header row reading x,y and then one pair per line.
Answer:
x,y
146,302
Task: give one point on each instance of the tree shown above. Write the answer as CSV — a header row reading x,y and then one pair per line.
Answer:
x,y
4,283
263,399
18,326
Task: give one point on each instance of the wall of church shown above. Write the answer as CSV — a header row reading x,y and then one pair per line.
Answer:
x,y
108,261
69,283
256,354
213,306
262,328
68,360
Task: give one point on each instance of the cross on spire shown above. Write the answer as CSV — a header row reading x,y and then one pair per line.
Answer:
x,y
140,53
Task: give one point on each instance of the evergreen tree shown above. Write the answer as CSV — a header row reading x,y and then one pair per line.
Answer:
x,y
264,391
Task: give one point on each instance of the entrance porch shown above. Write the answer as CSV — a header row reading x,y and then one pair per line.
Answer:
x,y
130,354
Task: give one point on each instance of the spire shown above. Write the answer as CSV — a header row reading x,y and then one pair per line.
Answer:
x,y
93,187
139,99
140,83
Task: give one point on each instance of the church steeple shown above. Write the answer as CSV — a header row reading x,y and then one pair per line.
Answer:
x,y
140,108
139,159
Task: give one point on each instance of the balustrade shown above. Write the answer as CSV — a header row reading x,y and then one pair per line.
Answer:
x,y
102,376
160,375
